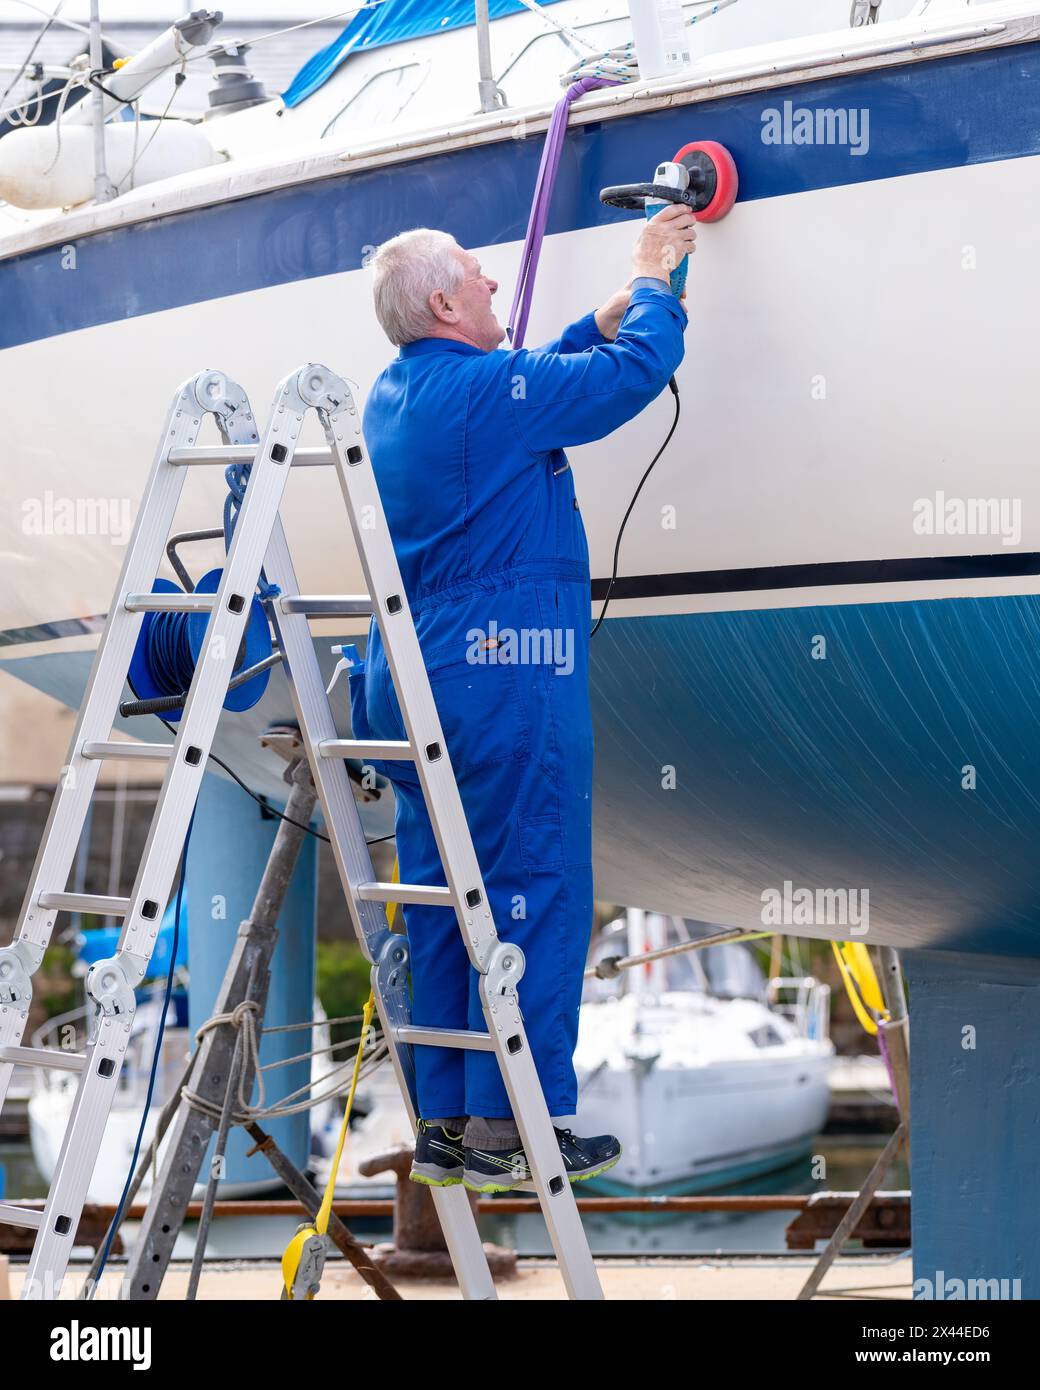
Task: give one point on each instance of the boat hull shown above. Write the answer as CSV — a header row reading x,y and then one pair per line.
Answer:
x,y
840,701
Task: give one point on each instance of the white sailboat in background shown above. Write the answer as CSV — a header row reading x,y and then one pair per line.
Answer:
x,y
708,1073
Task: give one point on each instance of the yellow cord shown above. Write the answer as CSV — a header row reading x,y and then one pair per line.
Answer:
x,y
294,1250
861,983
391,908
321,1223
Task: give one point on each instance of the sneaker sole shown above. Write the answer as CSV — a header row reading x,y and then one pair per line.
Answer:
x,y
430,1176
488,1185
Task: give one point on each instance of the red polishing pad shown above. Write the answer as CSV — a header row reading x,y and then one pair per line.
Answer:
x,y
725,194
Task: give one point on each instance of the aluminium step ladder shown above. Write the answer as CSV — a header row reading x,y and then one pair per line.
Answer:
x,y
259,543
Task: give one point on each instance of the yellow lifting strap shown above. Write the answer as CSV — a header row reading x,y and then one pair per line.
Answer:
x,y
391,908
297,1250
861,983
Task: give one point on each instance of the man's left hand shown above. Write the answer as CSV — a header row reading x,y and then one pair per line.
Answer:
x,y
608,316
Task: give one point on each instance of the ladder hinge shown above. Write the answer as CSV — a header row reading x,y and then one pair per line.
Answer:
x,y
109,987
17,965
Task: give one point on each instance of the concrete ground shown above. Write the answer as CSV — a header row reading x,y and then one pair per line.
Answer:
x,y
853,1278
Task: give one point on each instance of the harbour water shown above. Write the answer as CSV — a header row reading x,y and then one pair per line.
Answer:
x,y
847,1162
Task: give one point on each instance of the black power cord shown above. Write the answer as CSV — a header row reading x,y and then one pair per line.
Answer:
x,y
674,388
263,802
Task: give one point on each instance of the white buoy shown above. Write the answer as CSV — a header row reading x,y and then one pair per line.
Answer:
x,y
31,176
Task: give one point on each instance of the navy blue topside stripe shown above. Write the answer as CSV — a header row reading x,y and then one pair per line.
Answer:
x,y
738,581
819,576
933,114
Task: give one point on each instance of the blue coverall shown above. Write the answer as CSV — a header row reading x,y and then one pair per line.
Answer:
x,y
467,448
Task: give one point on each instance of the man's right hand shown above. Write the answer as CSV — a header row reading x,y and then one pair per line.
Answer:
x,y
666,238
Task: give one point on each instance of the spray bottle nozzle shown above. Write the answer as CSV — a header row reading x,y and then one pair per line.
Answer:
x,y
349,660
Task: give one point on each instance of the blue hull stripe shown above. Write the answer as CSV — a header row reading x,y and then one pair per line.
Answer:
x,y
942,113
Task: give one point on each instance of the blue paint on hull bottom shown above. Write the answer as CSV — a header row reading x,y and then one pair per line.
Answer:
x,y
892,749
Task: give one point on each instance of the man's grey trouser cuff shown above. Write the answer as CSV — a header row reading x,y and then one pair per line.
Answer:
x,y
491,1134
479,1133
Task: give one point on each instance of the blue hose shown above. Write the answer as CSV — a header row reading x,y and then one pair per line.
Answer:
x,y
169,652
236,475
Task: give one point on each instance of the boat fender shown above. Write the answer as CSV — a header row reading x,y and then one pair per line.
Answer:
x,y
53,167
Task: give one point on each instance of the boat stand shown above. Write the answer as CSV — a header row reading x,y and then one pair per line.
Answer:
x,y
895,1035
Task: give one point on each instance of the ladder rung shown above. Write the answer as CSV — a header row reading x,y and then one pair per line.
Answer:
x,y
126,750
85,902
327,605
405,893
51,1057
357,748
11,1215
224,454
445,1037
169,603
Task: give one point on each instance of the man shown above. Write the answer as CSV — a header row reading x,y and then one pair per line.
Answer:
x,y
467,446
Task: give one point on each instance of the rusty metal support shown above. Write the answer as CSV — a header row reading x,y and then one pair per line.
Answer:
x,y
418,1249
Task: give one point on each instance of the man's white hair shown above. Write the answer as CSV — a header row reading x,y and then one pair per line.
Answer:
x,y
407,269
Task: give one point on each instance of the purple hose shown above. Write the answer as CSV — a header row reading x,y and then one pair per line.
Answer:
x,y
543,191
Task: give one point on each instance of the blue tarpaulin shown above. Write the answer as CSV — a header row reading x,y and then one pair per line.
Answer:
x,y
98,943
388,23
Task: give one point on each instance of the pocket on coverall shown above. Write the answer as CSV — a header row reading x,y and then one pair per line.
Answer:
x,y
480,709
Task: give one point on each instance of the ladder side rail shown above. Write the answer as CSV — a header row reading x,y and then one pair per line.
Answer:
x,y
317,725
110,982
527,1099
224,630
387,950
76,784
412,684
499,965
108,670
354,864
390,985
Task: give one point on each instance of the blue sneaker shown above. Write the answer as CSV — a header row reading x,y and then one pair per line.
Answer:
x,y
439,1156
500,1170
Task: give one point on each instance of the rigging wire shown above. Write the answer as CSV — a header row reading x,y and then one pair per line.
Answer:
x,y
28,59
264,804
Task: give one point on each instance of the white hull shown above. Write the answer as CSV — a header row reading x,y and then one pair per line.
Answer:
x,y
817,482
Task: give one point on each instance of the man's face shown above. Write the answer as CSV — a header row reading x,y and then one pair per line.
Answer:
x,y
469,309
